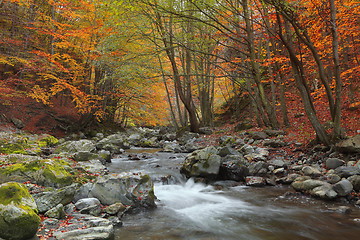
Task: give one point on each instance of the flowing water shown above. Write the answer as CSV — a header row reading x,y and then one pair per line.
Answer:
x,y
188,210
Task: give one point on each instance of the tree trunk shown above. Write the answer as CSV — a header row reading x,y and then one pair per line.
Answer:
x,y
255,67
300,81
337,71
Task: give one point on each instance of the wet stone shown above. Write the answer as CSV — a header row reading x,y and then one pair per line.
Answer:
x,y
254,181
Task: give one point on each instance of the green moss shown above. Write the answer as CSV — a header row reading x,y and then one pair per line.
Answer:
x,y
144,179
13,192
152,194
56,173
10,148
53,170
48,141
23,227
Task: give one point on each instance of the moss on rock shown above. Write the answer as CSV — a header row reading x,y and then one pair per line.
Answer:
x,y
18,212
48,141
48,172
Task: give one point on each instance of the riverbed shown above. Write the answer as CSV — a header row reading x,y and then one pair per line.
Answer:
x,y
225,210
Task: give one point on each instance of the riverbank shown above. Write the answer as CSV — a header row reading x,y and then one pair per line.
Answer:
x,y
75,195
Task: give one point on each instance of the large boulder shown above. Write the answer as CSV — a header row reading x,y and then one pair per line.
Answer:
x,y
133,189
45,172
84,156
18,212
171,147
135,139
233,167
351,145
76,146
114,143
48,200
202,163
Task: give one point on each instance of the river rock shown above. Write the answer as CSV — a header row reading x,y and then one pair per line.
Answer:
x,y
258,168
347,171
94,210
202,163
324,191
193,145
57,212
227,140
87,202
115,208
311,171
254,181
300,184
44,172
105,155
355,181
258,135
351,145
332,163
168,136
258,154
76,146
277,163
279,172
113,143
274,143
227,150
135,139
133,189
18,213
84,156
47,200
343,187
82,226
332,178
288,179
93,166
187,136
233,167
172,147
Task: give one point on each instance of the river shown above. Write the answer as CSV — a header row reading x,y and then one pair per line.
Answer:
x,y
226,210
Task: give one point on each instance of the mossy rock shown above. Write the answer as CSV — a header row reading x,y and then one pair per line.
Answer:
x,y
18,212
47,140
13,148
202,163
48,172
